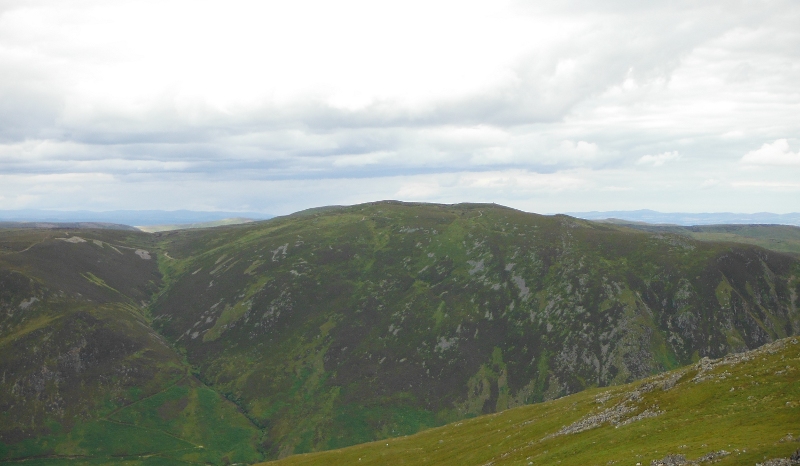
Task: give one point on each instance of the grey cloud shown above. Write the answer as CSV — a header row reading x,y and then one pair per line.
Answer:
x,y
648,47
636,79
28,108
602,55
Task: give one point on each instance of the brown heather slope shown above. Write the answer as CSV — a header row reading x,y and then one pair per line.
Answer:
x,y
345,325
83,375
358,323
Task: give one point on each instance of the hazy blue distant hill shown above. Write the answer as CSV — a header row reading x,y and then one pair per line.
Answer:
x,y
682,218
125,217
61,225
186,226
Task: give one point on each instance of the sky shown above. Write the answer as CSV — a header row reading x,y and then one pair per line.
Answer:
x,y
276,106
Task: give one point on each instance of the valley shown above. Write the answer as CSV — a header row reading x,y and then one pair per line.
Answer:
x,y
729,411
345,325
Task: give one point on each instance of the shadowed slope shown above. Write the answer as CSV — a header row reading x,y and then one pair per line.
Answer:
x,y
83,373
739,410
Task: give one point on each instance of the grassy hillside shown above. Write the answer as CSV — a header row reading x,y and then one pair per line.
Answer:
x,y
739,410
83,373
353,324
344,325
781,238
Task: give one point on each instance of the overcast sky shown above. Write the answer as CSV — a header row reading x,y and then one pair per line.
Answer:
x,y
278,106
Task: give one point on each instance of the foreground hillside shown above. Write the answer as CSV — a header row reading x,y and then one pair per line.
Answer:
x,y
347,325
743,409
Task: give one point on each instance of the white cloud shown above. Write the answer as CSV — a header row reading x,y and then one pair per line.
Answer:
x,y
483,186
659,159
777,153
415,191
777,185
581,150
521,180
189,103
360,160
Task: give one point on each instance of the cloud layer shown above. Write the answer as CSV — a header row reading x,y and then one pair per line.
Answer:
x,y
777,153
279,106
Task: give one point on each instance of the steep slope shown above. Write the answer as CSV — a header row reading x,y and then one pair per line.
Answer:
x,y
83,373
352,324
739,410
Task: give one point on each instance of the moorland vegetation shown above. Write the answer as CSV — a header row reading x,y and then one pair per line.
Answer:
x,y
345,325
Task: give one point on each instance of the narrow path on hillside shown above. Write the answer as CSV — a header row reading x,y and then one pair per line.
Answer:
x,y
23,250
129,424
106,417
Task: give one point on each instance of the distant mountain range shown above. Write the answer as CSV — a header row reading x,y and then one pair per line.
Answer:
x,y
125,217
683,218
66,225
178,217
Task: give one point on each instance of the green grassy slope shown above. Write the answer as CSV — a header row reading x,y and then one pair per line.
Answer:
x,y
83,374
359,323
184,423
739,410
781,238
344,325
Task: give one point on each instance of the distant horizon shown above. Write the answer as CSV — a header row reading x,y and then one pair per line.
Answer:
x,y
232,211
125,217
693,219
148,217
